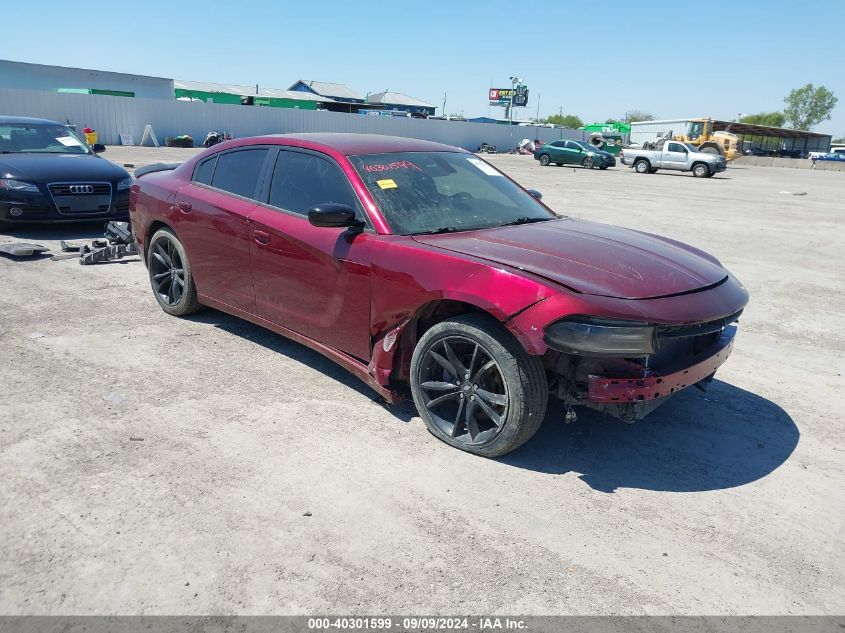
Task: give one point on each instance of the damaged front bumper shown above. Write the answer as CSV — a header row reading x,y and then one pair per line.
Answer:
x,y
652,385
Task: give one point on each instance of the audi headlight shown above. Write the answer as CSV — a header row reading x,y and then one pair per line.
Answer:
x,y
598,337
8,184
124,184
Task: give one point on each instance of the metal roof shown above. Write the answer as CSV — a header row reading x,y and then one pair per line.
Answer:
x,y
247,91
397,98
764,130
340,91
740,128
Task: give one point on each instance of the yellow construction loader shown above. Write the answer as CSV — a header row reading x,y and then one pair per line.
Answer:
x,y
700,134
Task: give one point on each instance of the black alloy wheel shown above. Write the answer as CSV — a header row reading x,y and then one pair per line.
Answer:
x,y
170,274
475,386
464,391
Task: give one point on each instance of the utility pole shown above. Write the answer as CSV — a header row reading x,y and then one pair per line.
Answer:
x,y
443,112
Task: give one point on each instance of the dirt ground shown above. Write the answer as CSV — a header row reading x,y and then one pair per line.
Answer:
x,y
152,465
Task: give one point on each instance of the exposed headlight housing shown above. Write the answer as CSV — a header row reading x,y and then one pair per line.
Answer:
x,y
9,184
600,337
124,184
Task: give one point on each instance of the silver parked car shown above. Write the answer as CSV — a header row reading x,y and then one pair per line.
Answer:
x,y
673,155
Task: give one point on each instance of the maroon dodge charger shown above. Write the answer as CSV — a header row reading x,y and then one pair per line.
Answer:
x,y
411,262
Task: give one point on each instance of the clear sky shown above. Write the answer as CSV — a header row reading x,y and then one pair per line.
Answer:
x,y
594,59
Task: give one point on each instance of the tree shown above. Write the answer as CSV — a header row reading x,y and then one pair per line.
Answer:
x,y
772,119
567,120
633,116
839,140
808,106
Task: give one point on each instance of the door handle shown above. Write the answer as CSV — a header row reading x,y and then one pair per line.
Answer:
x,y
185,207
261,237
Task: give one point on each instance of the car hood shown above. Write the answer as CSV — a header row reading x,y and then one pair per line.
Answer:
x,y
59,167
591,258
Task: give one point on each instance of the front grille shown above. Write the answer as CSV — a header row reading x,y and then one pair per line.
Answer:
x,y
696,329
81,189
73,198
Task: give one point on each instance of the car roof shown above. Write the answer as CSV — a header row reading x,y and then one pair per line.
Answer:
x,y
352,144
26,119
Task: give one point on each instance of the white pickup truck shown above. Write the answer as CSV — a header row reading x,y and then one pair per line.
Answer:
x,y
667,154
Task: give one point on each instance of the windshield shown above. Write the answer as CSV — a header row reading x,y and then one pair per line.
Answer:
x,y
691,148
441,192
43,138
695,129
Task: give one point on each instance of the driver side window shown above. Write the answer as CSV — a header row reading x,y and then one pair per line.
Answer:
x,y
302,181
677,147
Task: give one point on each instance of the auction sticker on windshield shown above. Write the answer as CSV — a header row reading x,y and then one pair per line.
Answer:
x,y
487,169
68,141
387,183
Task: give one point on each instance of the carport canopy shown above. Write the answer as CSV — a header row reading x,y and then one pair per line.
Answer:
x,y
788,138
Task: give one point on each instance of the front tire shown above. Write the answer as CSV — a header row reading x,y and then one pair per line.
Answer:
x,y
700,170
476,388
545,159
587,163
170,274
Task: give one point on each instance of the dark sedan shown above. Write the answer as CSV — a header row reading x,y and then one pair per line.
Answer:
x,y
48,174
565,152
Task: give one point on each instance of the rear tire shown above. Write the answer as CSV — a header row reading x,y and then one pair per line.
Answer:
x,y
544,159
170,274
700,170
498,406
642,166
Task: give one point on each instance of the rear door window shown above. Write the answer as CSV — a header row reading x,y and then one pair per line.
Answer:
x,y
238,172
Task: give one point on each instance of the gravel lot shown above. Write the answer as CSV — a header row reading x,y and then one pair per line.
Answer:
x,y
161,466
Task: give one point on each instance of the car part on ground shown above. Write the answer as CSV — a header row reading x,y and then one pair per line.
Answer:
x,y
23,249
118,243
414,263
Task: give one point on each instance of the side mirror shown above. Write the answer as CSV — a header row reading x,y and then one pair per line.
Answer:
x,y
535,193
332,214
99,148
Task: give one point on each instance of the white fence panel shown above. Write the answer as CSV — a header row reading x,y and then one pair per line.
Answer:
x,y
112,116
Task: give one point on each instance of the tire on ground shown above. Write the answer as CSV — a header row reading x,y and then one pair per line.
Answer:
x,y
188,302
523,374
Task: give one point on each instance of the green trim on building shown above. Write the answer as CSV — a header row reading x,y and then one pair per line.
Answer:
x,y
234,99
96,91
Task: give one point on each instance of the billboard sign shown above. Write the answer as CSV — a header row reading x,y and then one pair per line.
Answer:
x,y
507,96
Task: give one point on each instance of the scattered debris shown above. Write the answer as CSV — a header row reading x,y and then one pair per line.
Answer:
x,y
23,249
118,243
136,439
307,513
